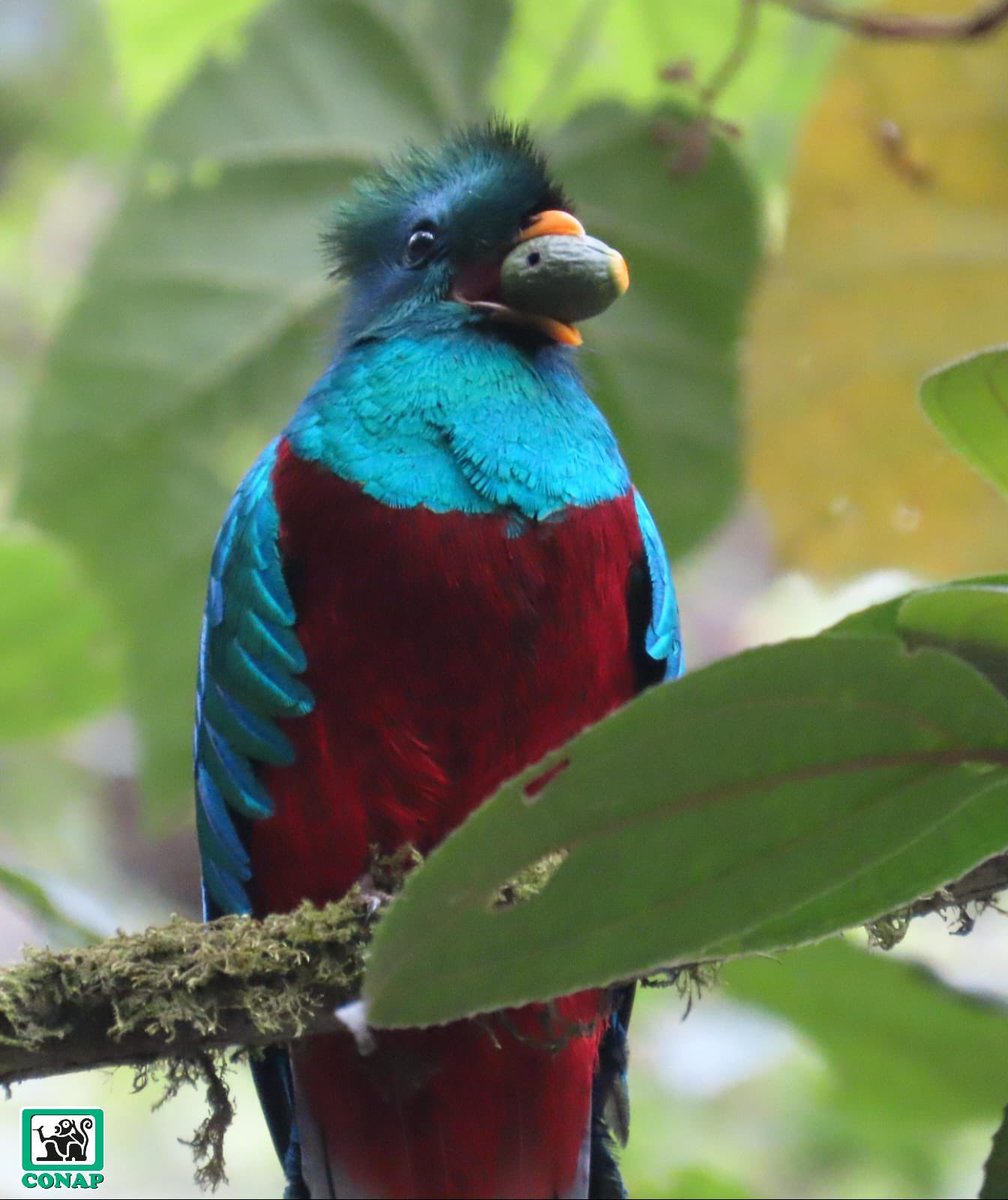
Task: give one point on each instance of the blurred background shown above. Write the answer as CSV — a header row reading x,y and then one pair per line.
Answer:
x,y
811,222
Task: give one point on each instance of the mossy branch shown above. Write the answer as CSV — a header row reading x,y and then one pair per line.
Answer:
x,y
959,902
187,988
181,989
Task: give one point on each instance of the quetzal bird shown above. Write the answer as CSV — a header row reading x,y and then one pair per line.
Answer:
x,y
438,572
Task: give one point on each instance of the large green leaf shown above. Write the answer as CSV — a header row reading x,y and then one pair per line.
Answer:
x,y
60,658
205,314
968,402
770,799
898,1041
157,42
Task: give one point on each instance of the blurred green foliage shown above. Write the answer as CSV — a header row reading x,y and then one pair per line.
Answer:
x,y
205,308
165,169
60,654
922,1054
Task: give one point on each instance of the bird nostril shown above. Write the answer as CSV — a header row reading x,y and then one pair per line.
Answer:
x,y
533,258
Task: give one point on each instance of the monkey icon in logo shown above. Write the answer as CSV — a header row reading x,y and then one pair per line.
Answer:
x,y
68,1142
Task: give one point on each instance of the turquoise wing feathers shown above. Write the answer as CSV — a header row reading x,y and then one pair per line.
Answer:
x,y
661,639
250,660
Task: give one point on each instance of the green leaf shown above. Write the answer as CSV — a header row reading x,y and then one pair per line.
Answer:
x,y
206,314
995,1180
35,896
158,42
60,660
770,799
968,402
900,1043
883,619
970,621
968,618
966,614
662,362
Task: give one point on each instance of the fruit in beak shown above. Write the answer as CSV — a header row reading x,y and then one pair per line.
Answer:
x,y
553,276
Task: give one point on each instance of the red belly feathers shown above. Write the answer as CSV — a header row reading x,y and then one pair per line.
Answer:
x,y
446,652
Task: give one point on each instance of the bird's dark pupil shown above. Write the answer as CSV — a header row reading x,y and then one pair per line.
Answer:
x,y
419,245
533,258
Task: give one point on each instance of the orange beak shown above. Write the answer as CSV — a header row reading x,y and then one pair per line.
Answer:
x,y
552,220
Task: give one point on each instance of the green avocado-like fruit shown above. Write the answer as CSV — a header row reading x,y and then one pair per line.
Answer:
x,y
561,276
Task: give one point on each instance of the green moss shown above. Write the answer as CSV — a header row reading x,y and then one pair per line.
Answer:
x,y
188,978
159,999
210,1069
531,881
889,930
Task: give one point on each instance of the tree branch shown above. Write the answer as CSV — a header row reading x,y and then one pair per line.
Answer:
x,y
979,886
981,21
975,890
961,900
186,988
182,989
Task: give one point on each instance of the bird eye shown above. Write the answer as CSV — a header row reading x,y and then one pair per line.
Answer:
x,y
421,245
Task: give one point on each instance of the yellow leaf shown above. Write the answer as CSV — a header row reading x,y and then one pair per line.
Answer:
x,y
896,260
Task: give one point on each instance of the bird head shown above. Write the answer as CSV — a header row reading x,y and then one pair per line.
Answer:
x,y
422,241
